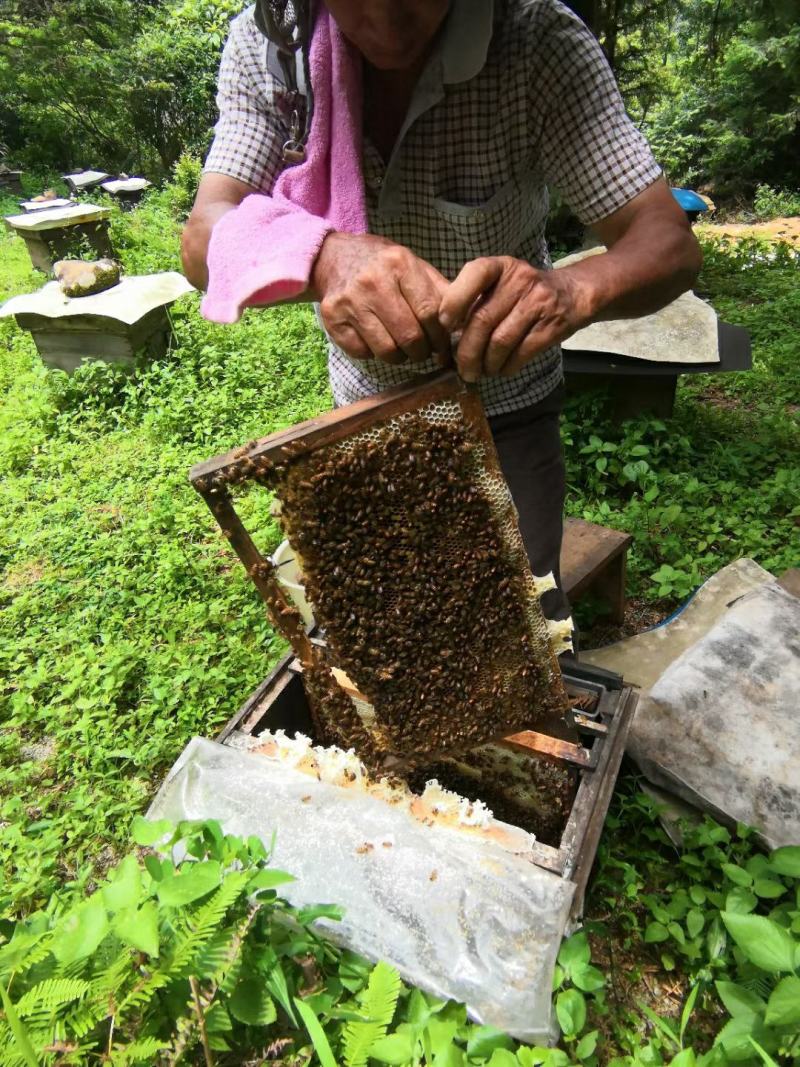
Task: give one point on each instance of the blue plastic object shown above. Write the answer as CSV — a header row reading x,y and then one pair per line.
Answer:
x,y
689,200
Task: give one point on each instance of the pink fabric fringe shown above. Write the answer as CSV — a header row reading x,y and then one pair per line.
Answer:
x,y
264,249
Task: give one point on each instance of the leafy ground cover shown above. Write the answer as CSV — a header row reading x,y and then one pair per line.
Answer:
x,y
127,627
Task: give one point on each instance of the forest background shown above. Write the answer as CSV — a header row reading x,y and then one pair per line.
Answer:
x,y
129,84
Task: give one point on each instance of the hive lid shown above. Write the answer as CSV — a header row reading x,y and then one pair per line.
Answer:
x,y
126,185
52,217
685,331
127,302
44,205
82,179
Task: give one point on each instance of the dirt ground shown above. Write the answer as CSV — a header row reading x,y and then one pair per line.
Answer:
x,y
775,229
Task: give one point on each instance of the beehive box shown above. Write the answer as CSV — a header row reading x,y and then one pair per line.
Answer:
x,y
414,564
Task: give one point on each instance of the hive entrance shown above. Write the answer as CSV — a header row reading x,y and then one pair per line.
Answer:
x,y
414,564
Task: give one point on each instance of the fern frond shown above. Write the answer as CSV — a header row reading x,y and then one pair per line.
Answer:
x,y
50,994
202,923
145,1049
106,986
378,1001
11,958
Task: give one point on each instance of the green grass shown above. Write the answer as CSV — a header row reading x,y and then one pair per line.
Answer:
x,y
127,626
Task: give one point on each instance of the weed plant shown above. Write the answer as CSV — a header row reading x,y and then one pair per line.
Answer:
x,y
127,627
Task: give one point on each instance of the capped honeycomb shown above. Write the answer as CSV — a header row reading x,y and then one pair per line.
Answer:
x,y
413,562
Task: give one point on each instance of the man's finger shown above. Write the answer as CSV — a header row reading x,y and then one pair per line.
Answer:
x,y
541,337
423,295
507,336
349,341
481,325
475,279
399,320
381,343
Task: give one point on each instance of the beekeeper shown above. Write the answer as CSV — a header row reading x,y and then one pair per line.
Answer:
x,y
472,111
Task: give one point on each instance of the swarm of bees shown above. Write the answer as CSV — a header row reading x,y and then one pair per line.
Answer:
x,y
421,601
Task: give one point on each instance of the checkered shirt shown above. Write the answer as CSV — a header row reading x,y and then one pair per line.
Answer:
x,y
516,96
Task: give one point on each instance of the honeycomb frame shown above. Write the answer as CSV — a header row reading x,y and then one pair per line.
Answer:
x,y
375,499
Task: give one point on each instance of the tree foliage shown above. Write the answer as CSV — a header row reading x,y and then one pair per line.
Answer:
x,y
117,84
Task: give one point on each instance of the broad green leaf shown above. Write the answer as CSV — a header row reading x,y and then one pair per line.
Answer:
x,y
586,1045
655,932
395,1048
124,890
575,951
81,931
441,1030
786,861
685,1058
252,1004
768,888
139,927
451,1056
571,1012
146,833
765,944
316,1033
783,1006
319,911
741,900
695,921
484,1040
189,882
735,1037
501,1057
737,875
738,1000
589,979
268,878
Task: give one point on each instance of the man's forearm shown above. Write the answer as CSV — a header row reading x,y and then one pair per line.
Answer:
x,y
639,275
652,257
195,239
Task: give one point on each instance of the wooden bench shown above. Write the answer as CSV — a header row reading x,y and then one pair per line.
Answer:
x,y
594,558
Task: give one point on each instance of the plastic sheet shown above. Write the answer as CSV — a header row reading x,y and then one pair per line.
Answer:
x,y
459,917
720,726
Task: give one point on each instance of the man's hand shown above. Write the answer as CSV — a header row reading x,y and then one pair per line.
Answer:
x,y
509,312
378,299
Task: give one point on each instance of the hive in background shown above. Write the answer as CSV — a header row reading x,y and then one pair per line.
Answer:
x,y
413,561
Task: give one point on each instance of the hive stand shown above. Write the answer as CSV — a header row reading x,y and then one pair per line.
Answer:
x,y
53,234
11,181
111,326
84,180
126,191
594,558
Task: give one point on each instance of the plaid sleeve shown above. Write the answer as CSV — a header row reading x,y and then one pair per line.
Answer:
x,y
248,138
589,149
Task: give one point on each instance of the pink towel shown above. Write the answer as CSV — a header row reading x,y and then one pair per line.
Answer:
x,y
264,249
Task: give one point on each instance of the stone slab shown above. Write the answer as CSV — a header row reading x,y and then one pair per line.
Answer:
x,y
55,218
685,331
127,302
